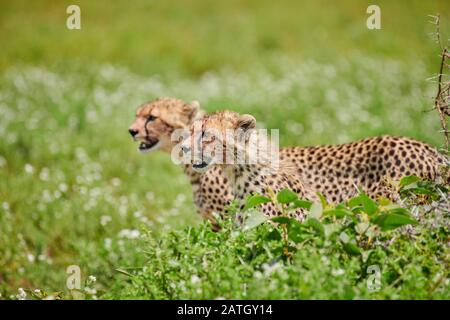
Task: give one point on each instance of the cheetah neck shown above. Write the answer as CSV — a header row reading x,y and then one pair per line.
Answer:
x,y
247,179
194,176
262,168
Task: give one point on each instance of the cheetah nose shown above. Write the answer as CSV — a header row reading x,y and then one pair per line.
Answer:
x,y
133,132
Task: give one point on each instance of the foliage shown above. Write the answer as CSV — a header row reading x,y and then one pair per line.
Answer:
x,y
331,255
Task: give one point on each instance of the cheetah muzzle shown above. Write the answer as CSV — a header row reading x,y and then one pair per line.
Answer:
x,y
148,145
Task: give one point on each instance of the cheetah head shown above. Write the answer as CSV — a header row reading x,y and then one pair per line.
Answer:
x,y
155,121
217,139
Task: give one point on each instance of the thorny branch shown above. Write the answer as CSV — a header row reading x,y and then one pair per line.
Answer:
x,y
442,99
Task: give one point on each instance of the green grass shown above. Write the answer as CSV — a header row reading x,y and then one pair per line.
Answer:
x,y
197,36
71,180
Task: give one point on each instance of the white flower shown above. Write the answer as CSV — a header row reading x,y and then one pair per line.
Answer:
x,y
134,234
129,234
180,197
2,161
30,258
22,295
29,168
104,220
145,220
90,291
115,182
44,175
107,243
5,205
63,187
46,196
195,279
92,279
337,272
269,269
137,214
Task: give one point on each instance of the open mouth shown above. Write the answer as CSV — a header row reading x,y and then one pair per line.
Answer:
x,y
146,146
201,165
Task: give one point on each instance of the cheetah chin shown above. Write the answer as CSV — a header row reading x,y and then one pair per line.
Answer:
x,y
145,147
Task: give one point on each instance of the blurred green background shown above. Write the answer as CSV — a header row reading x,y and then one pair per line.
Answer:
x,y
73,188
196,36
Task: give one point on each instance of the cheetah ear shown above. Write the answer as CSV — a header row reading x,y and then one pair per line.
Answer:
x,y
191,109
246,122
195,104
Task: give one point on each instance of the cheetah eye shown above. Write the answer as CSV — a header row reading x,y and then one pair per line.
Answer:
x,y
207,137
151,118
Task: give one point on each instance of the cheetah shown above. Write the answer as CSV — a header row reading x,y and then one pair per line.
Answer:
x,y
265,175
154,124
339,171
336,171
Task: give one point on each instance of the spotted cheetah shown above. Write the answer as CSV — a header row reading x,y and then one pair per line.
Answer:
x,y
153,127
334,170
265,175
338,171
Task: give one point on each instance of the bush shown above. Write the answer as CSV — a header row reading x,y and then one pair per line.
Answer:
x,y
359,250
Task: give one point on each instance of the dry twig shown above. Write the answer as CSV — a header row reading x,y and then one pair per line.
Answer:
x,y
442,99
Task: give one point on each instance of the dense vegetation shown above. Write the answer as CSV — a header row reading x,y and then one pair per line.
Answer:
x,y
340,252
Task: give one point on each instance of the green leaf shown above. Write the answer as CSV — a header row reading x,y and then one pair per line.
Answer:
x,y
323,200
316,225
384,201
273,235
281,220
305,204
254,201
390,221
408,180
254,218
296,231
122,271
351,248
338,213
368,205
399,210
286,196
